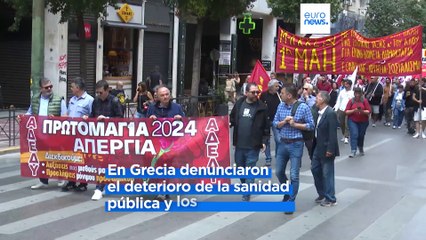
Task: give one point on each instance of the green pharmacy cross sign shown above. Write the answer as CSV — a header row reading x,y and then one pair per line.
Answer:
x,y
247,25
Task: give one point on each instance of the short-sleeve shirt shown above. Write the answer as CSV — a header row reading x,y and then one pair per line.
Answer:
x,y
245,122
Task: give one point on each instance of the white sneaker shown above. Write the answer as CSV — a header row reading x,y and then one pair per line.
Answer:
x,y
423,136
61,183
416,135
346,140
399,127
394,127
97,195
343,139
39,185
373,125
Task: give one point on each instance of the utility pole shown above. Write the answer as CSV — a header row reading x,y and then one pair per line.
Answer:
x,y
37,45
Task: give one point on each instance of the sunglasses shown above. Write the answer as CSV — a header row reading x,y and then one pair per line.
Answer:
x,y
48,87
305,89
254,92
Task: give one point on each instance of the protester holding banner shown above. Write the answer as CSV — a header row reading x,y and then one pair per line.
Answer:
x,y
46,103
420,109
79,105
272,99
104,106
249,117
290,127
374,94
164,108
358,110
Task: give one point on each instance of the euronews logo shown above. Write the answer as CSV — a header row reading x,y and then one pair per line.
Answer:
x,y
315,18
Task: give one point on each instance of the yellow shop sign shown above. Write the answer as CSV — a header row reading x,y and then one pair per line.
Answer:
x,y
126,13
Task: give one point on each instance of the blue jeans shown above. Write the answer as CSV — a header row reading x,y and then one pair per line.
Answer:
x,y
268,145
246,158
100,187
322,169
357,132
398,116
292,152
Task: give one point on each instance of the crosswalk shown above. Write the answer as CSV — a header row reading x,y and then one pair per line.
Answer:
x,y
32,213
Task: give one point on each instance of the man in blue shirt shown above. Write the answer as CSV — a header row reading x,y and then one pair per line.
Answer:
x,y
290,147
164,108
79,105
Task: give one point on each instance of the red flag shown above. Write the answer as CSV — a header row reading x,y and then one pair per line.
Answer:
x,y
260,77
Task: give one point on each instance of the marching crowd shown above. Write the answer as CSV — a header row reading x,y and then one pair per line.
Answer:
x,y
310,116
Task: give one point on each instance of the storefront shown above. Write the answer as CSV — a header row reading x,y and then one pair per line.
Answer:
x,y
120,47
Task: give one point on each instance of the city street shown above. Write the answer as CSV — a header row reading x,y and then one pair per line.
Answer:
x,y
381,196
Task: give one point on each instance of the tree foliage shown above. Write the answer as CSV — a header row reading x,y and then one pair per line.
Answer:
x,y
289,10
386,17
70,10
198,11
209,9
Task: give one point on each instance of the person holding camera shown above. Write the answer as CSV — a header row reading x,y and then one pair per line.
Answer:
x,y
143,98
358,110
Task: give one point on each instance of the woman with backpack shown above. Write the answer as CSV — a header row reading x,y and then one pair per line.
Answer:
x,y
358,111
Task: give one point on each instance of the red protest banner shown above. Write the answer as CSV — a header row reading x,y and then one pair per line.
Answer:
x,y
77,150
394,55
260,76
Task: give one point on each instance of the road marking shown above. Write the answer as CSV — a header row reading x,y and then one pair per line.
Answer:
x,y
113,226
414,230
22,202
16,186
10,174
393,221
49,217
346,157
219,220
309,220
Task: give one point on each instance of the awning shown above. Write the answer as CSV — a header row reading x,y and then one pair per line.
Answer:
x,y
122,25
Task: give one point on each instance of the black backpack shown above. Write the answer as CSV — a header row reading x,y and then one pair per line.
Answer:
x,y
307,134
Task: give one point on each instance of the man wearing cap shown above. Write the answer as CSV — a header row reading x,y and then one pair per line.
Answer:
x,y
272,100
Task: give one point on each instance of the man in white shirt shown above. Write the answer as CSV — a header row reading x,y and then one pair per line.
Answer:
x,y
344,97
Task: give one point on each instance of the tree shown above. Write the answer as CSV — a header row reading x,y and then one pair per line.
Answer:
x,y
199,11
289,10
382,18
69,10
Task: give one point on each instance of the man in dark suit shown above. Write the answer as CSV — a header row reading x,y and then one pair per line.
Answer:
x,y
326,149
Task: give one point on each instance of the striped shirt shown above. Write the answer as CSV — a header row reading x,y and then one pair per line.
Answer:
x,y
302,115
